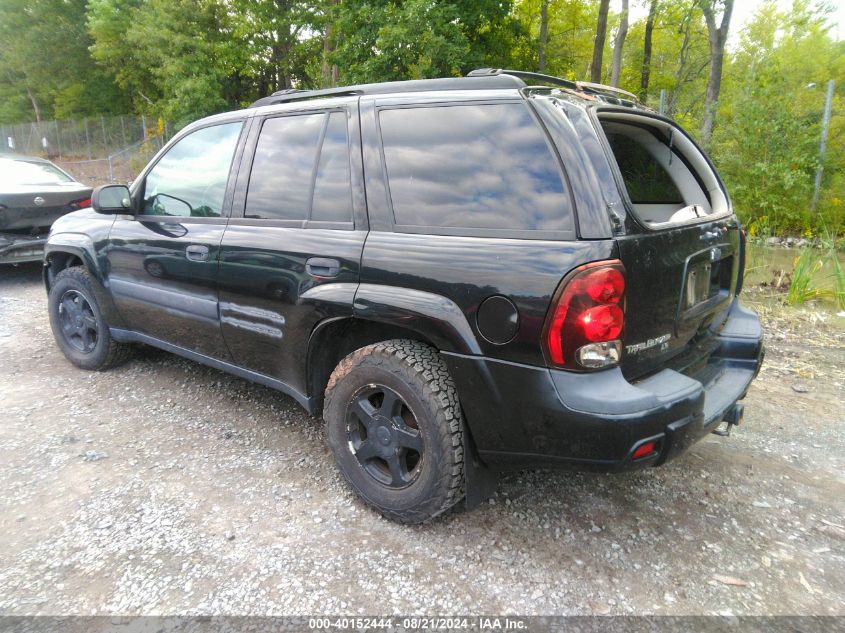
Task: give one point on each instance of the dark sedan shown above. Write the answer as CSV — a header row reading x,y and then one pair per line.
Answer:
x,y
33,194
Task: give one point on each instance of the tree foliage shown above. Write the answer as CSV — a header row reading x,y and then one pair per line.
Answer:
x,y
571,31
173,58
45,67
415,39
767,141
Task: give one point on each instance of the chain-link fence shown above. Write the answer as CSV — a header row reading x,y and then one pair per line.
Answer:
x,y
95,150
121,166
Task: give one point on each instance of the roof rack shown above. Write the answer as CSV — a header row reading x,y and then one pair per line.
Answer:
x,y
524,74
490,82
617,94
294,94
479,79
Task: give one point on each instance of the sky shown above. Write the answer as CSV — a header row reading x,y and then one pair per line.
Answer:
x,y
744,10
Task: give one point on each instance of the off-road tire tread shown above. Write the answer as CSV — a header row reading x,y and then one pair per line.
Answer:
x,y
118,353
435,385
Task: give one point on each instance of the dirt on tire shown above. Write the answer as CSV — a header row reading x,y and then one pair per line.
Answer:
x,y
419,370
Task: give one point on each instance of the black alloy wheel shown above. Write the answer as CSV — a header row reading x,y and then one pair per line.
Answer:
x,y
78,321
384,436
394,425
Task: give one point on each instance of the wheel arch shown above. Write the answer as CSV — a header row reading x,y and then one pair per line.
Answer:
x,y
380,313
436,318
335,338
65,251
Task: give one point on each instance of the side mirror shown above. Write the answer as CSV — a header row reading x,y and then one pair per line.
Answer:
x,y
111,199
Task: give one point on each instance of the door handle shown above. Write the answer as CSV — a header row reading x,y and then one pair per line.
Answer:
x,y
197,253
322,267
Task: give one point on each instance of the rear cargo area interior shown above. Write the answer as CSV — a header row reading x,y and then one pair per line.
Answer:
x,y
667,178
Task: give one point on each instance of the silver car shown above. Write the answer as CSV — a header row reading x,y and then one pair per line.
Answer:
x,y
33,193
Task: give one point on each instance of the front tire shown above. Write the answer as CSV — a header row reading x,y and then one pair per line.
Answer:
x,y
78,324
394,425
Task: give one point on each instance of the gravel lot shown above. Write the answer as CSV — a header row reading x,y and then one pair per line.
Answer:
x,y
165,487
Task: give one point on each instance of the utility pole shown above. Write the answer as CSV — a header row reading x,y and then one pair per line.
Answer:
x,y
828,105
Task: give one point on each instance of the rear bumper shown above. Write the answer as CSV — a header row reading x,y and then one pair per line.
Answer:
x,y
525,416
16,249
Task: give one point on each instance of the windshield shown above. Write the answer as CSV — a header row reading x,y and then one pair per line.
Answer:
x,y
25,172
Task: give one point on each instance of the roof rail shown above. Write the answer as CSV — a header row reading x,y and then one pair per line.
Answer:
x,y
286,91
294,94
480,82
524,74
479,79
581,86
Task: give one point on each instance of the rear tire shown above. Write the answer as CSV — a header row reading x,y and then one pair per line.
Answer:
x,y
394,425
78,324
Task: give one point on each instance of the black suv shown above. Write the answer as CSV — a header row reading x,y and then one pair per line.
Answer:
x,y
461,275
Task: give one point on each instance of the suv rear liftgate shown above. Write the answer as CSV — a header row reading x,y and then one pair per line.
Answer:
x,y
684,255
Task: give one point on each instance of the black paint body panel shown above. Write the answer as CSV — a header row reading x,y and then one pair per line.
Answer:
x,y
158,290
269,303
468,270
84,237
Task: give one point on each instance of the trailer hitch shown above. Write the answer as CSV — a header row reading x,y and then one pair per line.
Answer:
x,y
732,418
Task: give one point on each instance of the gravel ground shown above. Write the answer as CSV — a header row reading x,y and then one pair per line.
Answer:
x,y
166,487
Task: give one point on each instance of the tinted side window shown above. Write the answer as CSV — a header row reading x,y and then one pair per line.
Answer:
x,y
645,179
280,181
333,187
473,166
190,179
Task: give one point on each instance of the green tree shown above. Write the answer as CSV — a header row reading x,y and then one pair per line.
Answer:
x,y
279,45
571,32
45,66
619,44
767,141
174,57
648,38
110,23
600,42
718,26
678,60
413,39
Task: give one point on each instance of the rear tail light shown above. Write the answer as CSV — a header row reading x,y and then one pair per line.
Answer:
x,y
584,329
81,204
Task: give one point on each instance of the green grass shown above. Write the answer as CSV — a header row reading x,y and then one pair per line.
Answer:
x,y
838,281
802,287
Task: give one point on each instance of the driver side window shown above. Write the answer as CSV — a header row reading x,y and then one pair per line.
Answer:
x,y
190,179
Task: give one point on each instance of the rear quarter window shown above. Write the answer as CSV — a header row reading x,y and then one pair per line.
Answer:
x,y
478,166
